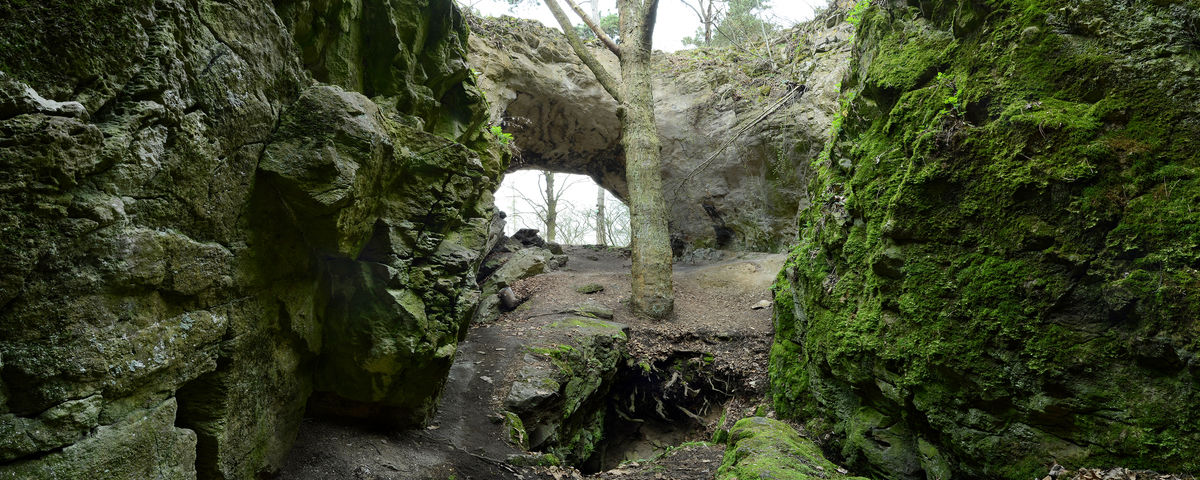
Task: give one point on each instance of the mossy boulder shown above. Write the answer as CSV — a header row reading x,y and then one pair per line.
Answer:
x,y
1000,264
560,392
762,447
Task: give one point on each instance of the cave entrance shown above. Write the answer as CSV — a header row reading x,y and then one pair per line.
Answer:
x,y
576,199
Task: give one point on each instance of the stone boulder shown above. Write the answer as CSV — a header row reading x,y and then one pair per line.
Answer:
x,y
560,389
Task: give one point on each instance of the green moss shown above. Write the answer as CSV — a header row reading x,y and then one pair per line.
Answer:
x,y
766,448
536,460
1001,224
517,435
910,57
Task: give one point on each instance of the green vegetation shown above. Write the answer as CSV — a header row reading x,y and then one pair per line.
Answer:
x,y
765,448
1001,244
504,138
610,23
740,24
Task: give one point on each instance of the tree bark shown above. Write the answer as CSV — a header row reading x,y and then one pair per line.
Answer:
x,y
709,19
551,206
595,28
653,292
601,235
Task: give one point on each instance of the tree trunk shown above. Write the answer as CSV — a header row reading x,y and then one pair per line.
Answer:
x,y
709,19
653,292
551,206
601,235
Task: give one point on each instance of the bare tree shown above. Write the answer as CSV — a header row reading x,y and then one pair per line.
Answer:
x,y
601,236
550,199
573,226
616,225
709,12
547,208
653,291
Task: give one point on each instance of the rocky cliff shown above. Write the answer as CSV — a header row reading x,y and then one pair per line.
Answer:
x,y
999,267
211,211
734,123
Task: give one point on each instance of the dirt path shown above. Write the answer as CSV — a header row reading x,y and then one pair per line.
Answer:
x,y
467,440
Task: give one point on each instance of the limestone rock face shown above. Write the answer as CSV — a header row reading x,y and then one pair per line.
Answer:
x,y
559,115
737,133
999,266
197,235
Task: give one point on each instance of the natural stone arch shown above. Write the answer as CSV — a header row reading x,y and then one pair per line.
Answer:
x,y
567,136
734,178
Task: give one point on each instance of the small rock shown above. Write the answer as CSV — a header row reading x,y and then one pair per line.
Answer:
x,y
590,288
486,379
508,299
592,309
529,237
761,305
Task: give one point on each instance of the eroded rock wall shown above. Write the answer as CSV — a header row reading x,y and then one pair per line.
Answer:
x,y
736,130
199,231
999,267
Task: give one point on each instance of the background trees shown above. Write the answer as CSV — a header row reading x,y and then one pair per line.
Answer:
x,y
576,209
729,22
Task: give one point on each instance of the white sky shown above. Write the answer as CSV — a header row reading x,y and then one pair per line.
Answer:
x,y
578,199
675,20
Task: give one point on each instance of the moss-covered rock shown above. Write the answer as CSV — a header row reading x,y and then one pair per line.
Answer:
x,y
1000,264
560,392
146,444
186,219
761,447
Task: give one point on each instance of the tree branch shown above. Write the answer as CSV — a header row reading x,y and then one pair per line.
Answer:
x,y
605,78
649,18
587,20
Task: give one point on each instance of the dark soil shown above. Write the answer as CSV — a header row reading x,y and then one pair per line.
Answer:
x,y
714,319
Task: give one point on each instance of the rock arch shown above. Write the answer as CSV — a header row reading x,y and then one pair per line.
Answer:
x,y
734,178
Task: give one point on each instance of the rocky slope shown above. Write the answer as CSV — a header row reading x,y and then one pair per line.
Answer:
x,y
735,124
205,219
999,267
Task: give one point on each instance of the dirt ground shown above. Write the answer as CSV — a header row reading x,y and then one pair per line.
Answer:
x,y
715,314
